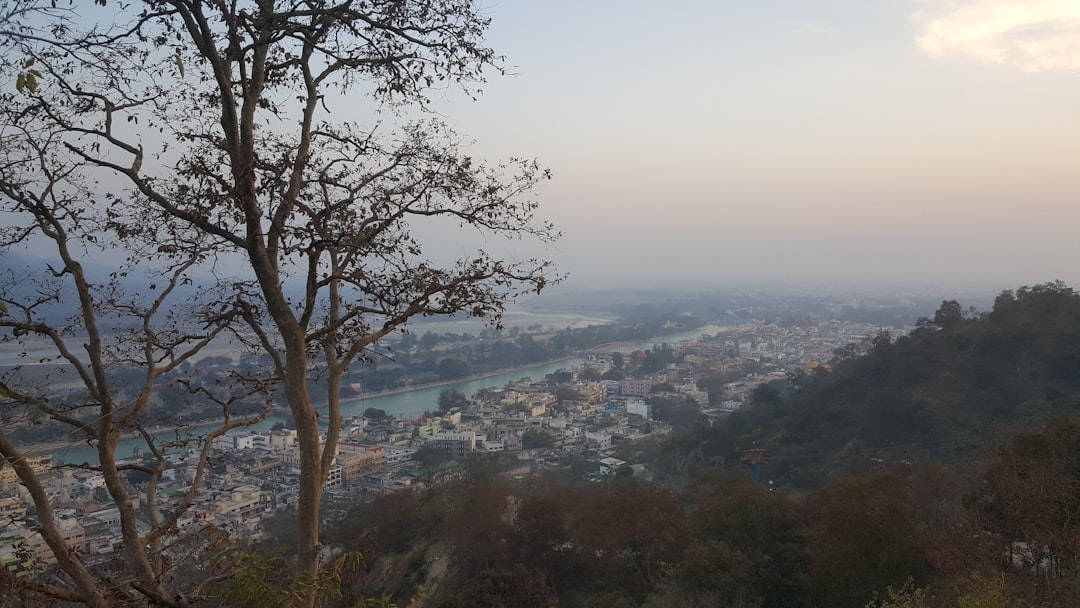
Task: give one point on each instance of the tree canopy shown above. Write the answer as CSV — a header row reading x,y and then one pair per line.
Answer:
x,y
222,126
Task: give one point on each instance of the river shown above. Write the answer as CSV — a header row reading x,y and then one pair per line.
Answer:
x,y
409,404
672,339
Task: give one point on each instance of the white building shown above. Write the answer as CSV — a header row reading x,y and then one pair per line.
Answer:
x,y
609,465
95,481
638,407
280,439
246,441
599,440
396,454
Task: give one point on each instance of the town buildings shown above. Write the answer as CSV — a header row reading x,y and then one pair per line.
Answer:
x,y
253,474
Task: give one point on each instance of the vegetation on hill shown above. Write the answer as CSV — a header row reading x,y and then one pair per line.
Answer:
x,y
905,500
934,395
720,540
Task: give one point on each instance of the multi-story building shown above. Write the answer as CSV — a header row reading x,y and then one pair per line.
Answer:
x,y
598,440
358,459
634,387
38,464
19,534
458,444
247,441
281,439
12,507
587,392
395,454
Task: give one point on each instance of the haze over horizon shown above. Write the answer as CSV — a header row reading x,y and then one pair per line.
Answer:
x,y
810,142
835,141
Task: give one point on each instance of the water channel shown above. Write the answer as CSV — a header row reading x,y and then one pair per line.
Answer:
x,y
409,404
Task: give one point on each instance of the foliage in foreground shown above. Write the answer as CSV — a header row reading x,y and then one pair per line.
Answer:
x,y
205,131
893,537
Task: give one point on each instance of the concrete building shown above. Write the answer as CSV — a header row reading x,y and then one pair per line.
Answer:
x,y
598,440
633,387
609,465
38,464
457,444
357,459
638,407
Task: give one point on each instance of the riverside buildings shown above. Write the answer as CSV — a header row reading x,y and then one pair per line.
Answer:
x,y
253,474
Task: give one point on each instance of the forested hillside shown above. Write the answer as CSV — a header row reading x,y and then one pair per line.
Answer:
x,y
939,469
935,395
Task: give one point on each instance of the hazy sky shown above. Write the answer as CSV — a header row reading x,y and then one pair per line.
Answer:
x,y
839,140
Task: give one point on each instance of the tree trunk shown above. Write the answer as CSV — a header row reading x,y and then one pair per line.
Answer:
x,y
294,384
90,594
311,481
137,557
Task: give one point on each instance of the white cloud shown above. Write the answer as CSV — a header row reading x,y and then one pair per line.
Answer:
x,y
1032,35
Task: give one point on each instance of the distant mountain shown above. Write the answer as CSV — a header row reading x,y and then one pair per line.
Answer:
x,y
21,277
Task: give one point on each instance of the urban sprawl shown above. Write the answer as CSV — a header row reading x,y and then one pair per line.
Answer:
x,y
253,474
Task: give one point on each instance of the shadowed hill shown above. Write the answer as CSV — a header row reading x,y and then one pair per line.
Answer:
x,y
932,395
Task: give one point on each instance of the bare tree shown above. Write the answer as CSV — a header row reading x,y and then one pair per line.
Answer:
x,y
223,116
96,330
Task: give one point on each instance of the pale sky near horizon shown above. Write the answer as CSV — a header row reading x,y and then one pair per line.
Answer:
x,y
891,141
895,142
